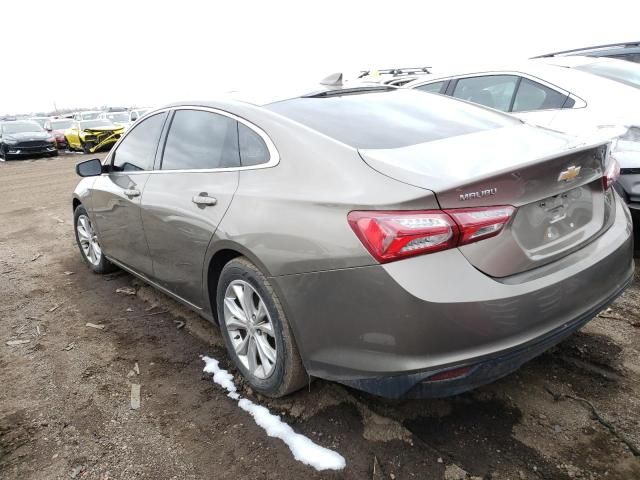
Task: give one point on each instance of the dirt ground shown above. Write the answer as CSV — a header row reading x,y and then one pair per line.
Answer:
x,y
65,395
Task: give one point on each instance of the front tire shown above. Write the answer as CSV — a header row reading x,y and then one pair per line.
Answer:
x,y
256,331
87,241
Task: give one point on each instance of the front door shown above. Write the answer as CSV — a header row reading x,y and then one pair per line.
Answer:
x,y
185,199
116,196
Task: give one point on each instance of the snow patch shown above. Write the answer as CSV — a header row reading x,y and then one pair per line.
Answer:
x,y
303,448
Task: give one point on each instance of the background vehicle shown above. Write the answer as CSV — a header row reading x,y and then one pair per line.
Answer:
x,y
627,73
57,128
629,51
116,118
23,138
136,113
39,120
565,99
393,76
397,242
92,135
87,115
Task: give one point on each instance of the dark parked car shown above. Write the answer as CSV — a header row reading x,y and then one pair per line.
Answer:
x,y
24,138
401,243
57,127
629,51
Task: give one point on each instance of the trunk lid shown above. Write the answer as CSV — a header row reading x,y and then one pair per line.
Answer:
x,y
554,181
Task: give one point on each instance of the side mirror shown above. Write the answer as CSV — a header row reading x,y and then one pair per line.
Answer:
x,y
89,168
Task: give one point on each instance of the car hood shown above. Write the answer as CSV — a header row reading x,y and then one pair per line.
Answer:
x,y
26,136
103,129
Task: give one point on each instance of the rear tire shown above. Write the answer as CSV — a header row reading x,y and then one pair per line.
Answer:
x,y
88,243
269,331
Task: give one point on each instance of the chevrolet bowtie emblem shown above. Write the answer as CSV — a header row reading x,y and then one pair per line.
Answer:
x,y
569,174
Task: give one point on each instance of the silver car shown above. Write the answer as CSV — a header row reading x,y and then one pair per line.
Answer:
x,y
400,243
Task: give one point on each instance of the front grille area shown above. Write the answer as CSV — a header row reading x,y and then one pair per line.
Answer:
x,y
96,138
31,144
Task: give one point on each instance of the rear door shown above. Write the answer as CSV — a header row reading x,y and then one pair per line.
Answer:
x,y
493,91
187,195
116,196
526,98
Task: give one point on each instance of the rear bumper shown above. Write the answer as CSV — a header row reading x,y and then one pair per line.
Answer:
x,y
385,329
481,373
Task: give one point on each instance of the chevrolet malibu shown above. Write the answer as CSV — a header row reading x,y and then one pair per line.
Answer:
x,y
404,244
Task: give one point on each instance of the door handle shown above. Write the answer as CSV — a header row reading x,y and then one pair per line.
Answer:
x,y
132,192
204,200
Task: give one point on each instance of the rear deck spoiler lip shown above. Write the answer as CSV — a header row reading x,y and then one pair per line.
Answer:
x,y
368,154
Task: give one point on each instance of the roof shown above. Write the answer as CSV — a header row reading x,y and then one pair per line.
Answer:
x,y
549,70
613,47
573,61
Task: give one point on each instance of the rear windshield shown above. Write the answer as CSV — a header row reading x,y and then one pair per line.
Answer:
x,y
624,72
390,119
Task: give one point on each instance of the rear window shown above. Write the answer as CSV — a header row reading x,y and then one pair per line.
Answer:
x,y
391,119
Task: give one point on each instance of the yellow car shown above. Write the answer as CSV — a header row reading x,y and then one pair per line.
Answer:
x,y
92,136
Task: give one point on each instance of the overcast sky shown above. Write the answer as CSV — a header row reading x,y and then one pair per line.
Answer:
x,y
114,52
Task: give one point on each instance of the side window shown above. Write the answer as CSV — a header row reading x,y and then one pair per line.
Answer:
x,y
138,150
534,96
253,150
494,91
435,87
199,139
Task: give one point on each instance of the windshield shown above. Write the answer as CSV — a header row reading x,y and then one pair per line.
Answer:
x,y
390,119
95,123
60,124
624,72
39,121
118,117
19,127
89,115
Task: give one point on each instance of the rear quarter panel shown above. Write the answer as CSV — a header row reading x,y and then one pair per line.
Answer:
x,y
293,216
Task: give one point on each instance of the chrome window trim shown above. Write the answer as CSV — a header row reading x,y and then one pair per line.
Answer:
x,y
274,156
579,102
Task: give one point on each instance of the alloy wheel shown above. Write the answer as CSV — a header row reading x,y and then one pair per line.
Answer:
x,y
88,240
250,329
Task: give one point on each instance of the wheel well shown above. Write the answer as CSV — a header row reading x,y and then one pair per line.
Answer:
x,y
76,202
218,261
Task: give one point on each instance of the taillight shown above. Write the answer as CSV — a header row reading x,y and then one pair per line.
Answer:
x,y
611,172
480,223
399,234
393,235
